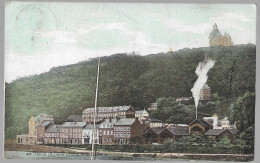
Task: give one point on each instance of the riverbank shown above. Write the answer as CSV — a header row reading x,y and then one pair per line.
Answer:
x,y
184,156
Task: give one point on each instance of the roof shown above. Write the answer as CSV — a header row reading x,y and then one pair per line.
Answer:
x,y
74,124
205,86
233,131
215,32
43,117
90,126
125,122
53,128
107,124
141,112
45,123
75,118
215,132
108,109
153,120
201,121
179,131
157,130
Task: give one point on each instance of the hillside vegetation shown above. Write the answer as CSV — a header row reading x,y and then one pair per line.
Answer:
x,y
129,80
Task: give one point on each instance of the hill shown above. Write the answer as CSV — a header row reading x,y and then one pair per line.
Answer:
x,y
126,80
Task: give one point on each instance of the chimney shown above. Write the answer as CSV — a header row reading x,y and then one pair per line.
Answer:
x,y
110,119
117,118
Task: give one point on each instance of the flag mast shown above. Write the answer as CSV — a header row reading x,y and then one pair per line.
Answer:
x,y
95,113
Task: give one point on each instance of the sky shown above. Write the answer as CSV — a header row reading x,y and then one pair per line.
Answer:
x,y
39,36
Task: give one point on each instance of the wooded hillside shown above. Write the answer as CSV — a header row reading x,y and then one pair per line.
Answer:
x,y
127,80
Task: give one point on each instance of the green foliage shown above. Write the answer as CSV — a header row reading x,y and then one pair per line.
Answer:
x,y
128,80
243,114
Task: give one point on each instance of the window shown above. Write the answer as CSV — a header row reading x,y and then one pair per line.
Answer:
x,y
111,133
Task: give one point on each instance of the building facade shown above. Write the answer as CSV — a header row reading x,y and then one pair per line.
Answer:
x,y
205,92
199,126
41,131
153,106
52,135
34,122
217,39
106,131
159,135
87,134
153,123
141,115
71,132
125,129
108,112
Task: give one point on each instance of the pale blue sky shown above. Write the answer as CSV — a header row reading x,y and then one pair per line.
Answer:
x,y
39,36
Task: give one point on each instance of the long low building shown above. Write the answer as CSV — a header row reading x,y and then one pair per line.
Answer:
x,y
197,126
108,112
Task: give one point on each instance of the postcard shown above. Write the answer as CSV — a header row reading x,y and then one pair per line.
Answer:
x,y
130,81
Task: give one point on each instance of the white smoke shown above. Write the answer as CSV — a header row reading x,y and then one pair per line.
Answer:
x,y
201,71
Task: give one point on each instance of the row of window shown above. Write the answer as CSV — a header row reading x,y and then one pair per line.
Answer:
x,y
122,134
108,140
122,128
106,132
70,130
70,135
71,141
52,134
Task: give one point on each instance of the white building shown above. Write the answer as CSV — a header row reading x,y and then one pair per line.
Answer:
x,y
87,134
153,123
142,115
153,106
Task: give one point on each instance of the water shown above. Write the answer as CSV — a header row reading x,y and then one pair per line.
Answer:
x,y
66,156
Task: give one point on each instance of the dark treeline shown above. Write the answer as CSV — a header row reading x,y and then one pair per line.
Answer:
x,y
127,80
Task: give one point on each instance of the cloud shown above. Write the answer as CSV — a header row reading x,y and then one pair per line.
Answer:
x,y
178,26
231,21
59,36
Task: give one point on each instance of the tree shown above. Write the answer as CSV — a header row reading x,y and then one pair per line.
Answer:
x,y
243,115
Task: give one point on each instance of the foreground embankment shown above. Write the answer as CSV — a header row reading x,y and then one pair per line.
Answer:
x,y
185,156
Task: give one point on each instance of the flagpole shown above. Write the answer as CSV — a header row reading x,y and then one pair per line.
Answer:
x,y
95,113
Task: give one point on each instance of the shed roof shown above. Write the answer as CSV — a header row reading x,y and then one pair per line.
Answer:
x,y
216,132
157,130
179,131
201,121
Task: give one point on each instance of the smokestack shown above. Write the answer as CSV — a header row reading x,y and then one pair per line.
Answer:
x,y
201,71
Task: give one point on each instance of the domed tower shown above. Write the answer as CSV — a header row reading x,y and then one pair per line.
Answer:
x,y
215,36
